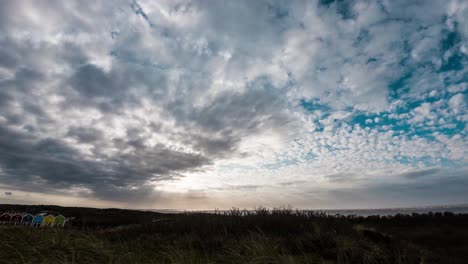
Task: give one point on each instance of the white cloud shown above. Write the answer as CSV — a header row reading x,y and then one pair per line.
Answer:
x,y
457,103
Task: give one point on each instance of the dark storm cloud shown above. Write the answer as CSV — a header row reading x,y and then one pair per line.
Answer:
x,y
49,164
36,149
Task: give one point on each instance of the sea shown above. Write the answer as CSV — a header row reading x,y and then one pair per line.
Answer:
x,y
456,209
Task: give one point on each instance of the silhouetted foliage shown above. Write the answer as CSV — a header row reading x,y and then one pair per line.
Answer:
x,y
282,235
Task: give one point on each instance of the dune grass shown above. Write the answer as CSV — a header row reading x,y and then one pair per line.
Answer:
x,y
282,236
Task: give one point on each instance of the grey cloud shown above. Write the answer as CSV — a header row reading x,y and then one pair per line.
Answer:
x,y
447,187
7,59
218,127
342,177
48,165
91,81
292,183
240,187
85,134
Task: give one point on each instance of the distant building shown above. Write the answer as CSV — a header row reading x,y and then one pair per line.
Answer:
x,y
27,219
59,221
49,220
5,218
38,220
16,219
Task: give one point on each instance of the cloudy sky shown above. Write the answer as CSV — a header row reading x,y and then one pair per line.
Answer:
x,y
213,104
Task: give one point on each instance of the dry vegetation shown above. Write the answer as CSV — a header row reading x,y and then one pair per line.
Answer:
x,y
261,236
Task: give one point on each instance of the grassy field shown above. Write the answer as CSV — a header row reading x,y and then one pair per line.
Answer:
x,y
261,236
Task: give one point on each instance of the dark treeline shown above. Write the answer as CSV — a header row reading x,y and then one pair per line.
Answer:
x,y
239,236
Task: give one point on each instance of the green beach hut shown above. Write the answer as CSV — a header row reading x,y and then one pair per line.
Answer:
x,y
59,221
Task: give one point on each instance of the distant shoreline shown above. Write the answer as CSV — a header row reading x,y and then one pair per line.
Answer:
x,y
457,209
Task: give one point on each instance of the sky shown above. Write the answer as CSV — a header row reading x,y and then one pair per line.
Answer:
x,y
217,104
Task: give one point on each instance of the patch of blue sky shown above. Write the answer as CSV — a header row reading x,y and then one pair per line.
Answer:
x,y
454,60
402,126
384,121
400,86
314,104
444,162
309,156
423,160
281,163
458,127
343,8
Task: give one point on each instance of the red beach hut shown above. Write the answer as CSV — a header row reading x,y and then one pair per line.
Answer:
x,y
16,219
5,218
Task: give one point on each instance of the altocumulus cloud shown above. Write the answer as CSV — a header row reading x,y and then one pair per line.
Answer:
x,y
309,103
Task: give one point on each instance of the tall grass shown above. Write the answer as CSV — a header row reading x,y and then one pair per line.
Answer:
x,y
281,235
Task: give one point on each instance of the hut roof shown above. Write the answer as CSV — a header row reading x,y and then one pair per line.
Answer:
x,y
28,217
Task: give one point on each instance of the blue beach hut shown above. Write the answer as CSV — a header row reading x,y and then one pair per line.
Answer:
x,y
37,220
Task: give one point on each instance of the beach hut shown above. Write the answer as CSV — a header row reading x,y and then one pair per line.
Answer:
x,y
37,220
5,218
49,220
16,218
59,220
27,219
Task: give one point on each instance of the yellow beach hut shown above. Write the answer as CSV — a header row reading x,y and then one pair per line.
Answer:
x,y
49,220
